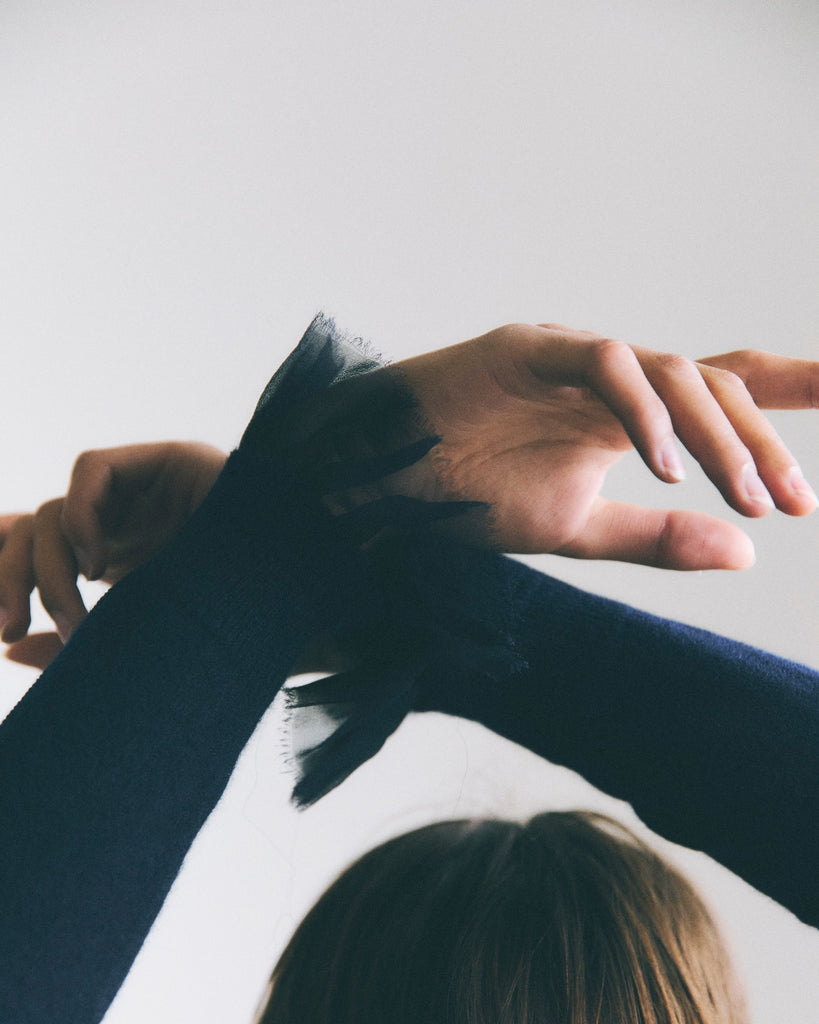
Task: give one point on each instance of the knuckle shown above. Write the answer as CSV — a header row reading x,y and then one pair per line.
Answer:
x,y
23,525
607,354
726,381
679,544
665,539
86,463
516,343
515,333
674,365
47,513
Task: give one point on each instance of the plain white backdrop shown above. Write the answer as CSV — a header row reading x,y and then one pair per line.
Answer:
x,y
182,185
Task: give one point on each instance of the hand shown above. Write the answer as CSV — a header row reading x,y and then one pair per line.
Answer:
x,y
532,417
122,505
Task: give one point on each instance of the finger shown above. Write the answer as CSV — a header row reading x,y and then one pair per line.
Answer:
x,y
774,382
612,370
55,570
661,538
706,431
96,478
776,466
7,521
16,579
37,650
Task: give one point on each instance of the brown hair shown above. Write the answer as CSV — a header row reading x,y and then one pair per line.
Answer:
x,y
568,919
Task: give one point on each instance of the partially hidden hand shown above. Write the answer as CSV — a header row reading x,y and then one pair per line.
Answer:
x,y
122,505
532,417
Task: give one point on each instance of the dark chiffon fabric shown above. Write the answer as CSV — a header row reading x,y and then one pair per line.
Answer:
x,y
345,424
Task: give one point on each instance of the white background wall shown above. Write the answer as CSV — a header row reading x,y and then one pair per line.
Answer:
x,y
182,185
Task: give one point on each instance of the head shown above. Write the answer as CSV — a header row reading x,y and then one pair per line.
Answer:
x,y
567,919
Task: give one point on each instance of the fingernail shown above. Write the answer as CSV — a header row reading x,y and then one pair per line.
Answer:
x,y
63,627
800,485
753,486
672,460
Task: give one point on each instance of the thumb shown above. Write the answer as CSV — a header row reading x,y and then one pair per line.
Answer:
x,y
662,538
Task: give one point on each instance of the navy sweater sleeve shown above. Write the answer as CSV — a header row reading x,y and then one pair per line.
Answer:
x,y
714,743
111,763
113,760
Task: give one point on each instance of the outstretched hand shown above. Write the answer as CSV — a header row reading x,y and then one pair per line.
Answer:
x,y
532,417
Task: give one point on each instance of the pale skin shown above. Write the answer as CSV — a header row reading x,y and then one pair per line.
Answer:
x,y
532,418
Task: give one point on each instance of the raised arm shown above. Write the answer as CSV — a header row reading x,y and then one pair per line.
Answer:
x,y
714,743
114,759
525,419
